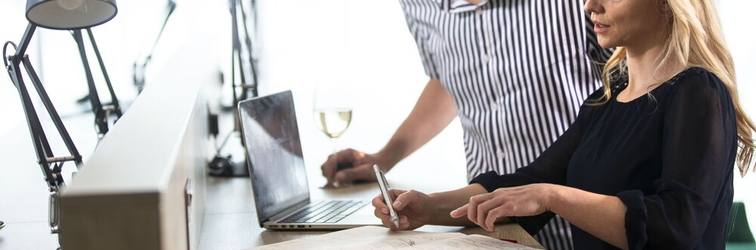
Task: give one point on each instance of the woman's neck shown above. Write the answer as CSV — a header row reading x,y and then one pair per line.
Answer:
x,y
644,72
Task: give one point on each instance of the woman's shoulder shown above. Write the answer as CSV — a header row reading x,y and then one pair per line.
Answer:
x,y
695,78
697,85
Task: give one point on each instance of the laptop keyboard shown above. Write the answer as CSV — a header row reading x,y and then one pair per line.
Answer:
x,y
330,211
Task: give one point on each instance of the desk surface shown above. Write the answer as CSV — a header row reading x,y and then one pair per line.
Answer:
x,y
230,220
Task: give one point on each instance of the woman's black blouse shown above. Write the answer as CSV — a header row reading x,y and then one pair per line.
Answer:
x,y
669,156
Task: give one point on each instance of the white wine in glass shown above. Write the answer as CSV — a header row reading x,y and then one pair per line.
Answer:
x,y
333,122
332,110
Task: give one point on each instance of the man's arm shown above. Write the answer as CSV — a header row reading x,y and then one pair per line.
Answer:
x,y
434,110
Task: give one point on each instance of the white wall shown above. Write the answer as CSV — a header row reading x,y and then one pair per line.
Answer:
x,y
367,43
12,28
738,19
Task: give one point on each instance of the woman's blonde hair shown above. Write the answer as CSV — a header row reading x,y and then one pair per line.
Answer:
x,y
696,40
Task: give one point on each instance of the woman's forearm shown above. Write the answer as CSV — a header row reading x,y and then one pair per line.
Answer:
x,y
600,215
445,202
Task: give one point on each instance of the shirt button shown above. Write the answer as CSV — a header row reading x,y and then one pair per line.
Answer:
x,y
478,11
485,58
500,154
494,106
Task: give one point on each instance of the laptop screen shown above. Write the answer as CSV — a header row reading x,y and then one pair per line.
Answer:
x,y
271,138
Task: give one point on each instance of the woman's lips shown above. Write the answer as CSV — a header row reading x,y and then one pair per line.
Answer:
x,y
600,27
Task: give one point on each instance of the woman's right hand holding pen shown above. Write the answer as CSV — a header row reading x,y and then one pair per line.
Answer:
x,y
412,207
416,209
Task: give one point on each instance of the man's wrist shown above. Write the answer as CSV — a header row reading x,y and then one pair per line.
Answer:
x,y
385,159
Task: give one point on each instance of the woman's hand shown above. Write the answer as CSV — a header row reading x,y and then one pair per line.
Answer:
x,y
486,209
413,208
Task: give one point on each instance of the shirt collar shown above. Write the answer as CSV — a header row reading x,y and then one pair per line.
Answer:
x,y
458,6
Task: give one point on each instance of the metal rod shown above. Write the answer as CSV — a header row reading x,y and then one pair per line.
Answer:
x,y
25,40
54,116
94,98
41,147
61,159
114,104
234,47
248,41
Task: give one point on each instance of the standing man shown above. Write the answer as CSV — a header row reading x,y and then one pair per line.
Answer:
x,y
515,73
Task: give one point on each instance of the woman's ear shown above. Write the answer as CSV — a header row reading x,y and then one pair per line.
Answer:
x,y
664,7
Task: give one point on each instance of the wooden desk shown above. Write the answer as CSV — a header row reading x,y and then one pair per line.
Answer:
x,y
231,223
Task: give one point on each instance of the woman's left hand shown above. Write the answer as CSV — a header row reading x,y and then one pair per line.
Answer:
x,y
528,200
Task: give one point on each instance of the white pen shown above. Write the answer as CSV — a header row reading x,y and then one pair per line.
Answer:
x,y
383,185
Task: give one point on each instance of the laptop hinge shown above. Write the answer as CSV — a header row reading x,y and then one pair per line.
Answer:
x,y
286,212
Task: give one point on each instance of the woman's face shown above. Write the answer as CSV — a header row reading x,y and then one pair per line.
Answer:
x,y
629,23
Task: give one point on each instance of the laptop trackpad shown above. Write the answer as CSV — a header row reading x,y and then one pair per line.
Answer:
x,y
365,214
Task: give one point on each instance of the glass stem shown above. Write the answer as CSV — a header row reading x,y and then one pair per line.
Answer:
x,y
334,142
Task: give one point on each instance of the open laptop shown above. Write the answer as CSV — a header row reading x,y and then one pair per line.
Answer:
x,y
278,175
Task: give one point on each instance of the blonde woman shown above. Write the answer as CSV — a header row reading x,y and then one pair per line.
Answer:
x,y
649,161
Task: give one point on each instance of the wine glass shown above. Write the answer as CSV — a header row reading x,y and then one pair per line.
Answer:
x,y
332,110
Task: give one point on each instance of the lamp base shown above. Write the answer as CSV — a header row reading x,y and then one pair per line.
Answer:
x,y
226,167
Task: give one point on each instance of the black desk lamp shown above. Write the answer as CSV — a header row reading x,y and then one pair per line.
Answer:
x,y
73,15
140,67
247,66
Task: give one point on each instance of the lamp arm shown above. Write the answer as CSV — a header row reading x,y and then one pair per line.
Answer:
x,y
41,145
55,117
170,7
235,47
237,53
140,67
24,43
50,165
115,106
101,112
248,42
223,166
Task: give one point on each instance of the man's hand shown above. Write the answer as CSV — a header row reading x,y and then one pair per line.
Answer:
x,y
348,166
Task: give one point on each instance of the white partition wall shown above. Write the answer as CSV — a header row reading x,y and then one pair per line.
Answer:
x,y
132,193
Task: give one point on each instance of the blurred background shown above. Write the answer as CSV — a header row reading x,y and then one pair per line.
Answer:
x,y
298,43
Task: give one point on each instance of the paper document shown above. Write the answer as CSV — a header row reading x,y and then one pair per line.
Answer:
x,y
375,238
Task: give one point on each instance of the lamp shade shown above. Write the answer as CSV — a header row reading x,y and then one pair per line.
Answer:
x,y
70,14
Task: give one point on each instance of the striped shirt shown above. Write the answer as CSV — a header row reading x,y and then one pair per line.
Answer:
x,y
518,71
